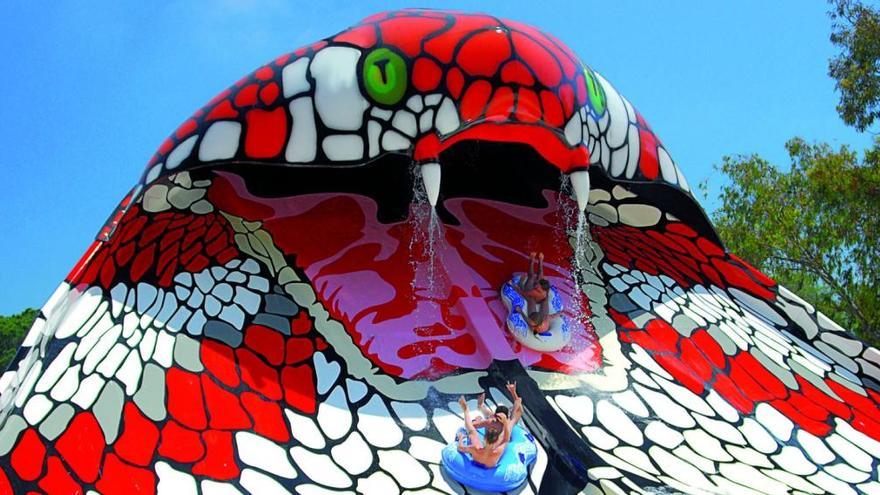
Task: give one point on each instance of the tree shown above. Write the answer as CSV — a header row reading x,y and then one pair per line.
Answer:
x,y
856,69
12,331
814,228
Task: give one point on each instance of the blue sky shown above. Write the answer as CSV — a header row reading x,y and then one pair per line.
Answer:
x,y
90,89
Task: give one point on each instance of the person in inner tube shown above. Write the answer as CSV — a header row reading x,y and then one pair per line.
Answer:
x,y
498,428
534,287
539,318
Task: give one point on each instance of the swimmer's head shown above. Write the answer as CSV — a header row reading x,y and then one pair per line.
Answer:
x,y
492,435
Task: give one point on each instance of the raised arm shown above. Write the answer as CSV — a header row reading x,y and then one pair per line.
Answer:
x,y
532,264
507,424
511,387
540,266
467,414
516,415
481,405
469,427
517,411
481,423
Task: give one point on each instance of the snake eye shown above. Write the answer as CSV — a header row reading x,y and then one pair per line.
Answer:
x,y
594,89
385,77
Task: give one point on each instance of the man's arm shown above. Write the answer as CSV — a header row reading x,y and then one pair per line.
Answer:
x,y
517,411
540,266
505,438
484,409
511,387
481,423
516,415
531,264
467,415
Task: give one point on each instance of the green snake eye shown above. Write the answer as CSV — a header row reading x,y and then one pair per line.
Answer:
x,y
385,77
594,89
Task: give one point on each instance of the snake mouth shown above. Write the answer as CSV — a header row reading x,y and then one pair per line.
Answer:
x,y
422,303
511,173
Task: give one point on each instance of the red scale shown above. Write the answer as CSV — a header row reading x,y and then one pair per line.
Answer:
x,y
219,461
139,437
180,443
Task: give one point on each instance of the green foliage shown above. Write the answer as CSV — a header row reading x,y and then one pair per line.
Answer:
x,y
814,228
12,331
856,31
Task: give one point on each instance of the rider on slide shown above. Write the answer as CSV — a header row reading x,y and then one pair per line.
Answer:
x,y
498,428
535,289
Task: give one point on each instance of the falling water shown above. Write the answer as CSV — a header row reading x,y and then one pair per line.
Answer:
x,y
434,231
580,245
426,231
565,206
574,224
573,220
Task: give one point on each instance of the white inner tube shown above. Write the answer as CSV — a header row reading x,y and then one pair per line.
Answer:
x,y
555,338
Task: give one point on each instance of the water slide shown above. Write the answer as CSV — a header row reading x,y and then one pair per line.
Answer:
x,y
307,277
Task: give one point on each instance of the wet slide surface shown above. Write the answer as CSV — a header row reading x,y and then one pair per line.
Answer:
x,y
280,306
417,313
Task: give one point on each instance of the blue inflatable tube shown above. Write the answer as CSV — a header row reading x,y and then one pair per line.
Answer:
x,y
510,473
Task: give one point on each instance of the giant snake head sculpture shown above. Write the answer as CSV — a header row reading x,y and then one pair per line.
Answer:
x,y
262,314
